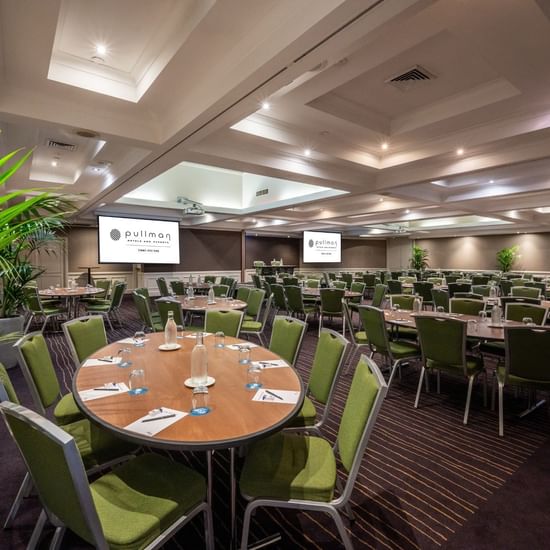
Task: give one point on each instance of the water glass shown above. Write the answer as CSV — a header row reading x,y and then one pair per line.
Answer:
x,y
219,340
136,382
244,355
440,309
179,332
200,402
482,316
253,377
123,353
527,321
139,339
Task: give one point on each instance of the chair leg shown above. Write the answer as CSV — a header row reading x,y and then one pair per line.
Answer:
x,y
37,531
109,321
26,485
31,317
422,374
57,538
341,529
250,509
438,381
471,380
485,389
392,373
320,324
500,409
208,528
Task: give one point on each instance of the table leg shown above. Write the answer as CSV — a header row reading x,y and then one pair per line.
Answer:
x,y
209,477
233,504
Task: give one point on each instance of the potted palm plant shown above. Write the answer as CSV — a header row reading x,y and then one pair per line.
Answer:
x,y
419,258
29,220
506,257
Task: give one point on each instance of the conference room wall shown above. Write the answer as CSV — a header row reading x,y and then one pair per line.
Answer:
x,y
356,253
480,252
272,248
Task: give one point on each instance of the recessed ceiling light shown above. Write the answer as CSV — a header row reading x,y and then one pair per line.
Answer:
x,y
101,49
384,146
407,211
381,200
491,181
543,209
96,169
460,151
307,152
266,105
54,162
102,204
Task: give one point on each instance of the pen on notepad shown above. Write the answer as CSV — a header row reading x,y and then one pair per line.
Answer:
x,y
158,418
106,389
274,395
106,359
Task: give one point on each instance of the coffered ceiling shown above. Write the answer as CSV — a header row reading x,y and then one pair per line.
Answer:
x,y
424,117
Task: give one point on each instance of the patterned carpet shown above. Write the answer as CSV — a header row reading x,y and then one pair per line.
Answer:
x,y
423,478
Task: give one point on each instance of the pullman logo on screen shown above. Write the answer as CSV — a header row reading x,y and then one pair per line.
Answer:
x,y
323,244
142,236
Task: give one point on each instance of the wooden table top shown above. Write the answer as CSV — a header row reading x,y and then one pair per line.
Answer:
x,y
234,419
64,292
317,292
476,329
200,303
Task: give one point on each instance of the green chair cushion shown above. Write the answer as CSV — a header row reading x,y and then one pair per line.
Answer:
x,y
143,497
401,350
249,318
254,326
520,381
98,307
66,410
361,337
8,386
194,328
307,414
473,364
408,333
289,466
310,309
53,310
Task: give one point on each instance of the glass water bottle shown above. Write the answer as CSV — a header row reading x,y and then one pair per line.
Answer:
x,y
199,362
170,330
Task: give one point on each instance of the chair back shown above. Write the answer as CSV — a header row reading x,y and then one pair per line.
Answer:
x,y
470,295
440,299
7,391
178,288
163,287
525,291
435,280
164,305
54,464
117,295
104,284
424,290
348,278
369,279
451,278
279,298
482,290
286,337
254,303
480,280
242,293
458,287
32,299
379,295
85,335
517,281
366,395
402,301
342,285
374,323
294,299
144,312
290,281
266,286
331,300
221,290
407,279
504,300
505,287
227,321
527,352
394,286
442,340
36,363
271,279
210,279
257,280
143,291
357,287
517,312
466,306
312,283
331,276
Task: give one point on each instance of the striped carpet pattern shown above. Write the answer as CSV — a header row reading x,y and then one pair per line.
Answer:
x,y
423,477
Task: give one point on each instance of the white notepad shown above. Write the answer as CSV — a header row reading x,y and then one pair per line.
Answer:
x,y
107,390
102,362
271,364
131,341
204,335
237,347
267,395
155,421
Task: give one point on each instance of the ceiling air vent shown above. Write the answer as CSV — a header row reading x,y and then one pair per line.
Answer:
x,y
262,192
60,145
411,77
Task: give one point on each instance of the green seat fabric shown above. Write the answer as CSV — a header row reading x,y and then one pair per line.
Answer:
x,y
251,325
473,364
87,336
307,414
66,410
515,380
399,350
361,337
287,466
143,497
286,338
8,386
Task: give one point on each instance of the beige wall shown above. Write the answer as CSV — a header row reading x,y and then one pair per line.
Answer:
x,y
480,252
398,252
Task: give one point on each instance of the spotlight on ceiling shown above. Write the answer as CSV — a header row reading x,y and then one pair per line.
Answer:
x,y
101,49
307,152
384,146
460,151
266,105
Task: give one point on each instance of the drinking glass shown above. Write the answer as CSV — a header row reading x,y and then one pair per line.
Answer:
x,y
440,309
139,339
136,382
200,402
124,353
253,377
244,355
527,321
179,331
219,339
482,316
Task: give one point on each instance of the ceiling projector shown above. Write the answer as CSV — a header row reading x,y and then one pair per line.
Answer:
x,y
190,208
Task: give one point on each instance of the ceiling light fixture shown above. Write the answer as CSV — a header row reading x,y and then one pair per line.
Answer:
x,y
54,162
460,151
491,181
307,152
266,105
407,211
101,49
380,200
384,146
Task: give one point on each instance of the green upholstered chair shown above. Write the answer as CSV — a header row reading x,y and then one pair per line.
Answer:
x,y
526,363
505,287
402,301
435,280
279,298
424,291
312,283
290,281
480,280
162,286
84,335
178,288
331,305
139,504
504,300
370,281
257,281
525,291
112,308
458,287
35,308
331,276
482,290
226,321
242,293
323,379
356,286
210,279
152,306
142,306
300,471
451,278
271,279
466,306
397,352
105,285
295,302
287,335
7,391
379,295
469,295
358,339
342,285
254,303
394,286
443,345
231,283
347,278
537,284
257,328
221,291
440,298
164,305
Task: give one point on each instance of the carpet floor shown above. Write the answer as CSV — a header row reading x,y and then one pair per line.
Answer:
x,y
426,480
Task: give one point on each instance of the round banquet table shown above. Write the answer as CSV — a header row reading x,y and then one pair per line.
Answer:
x,y
233,421
317,293
200,303
72,295
476,329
